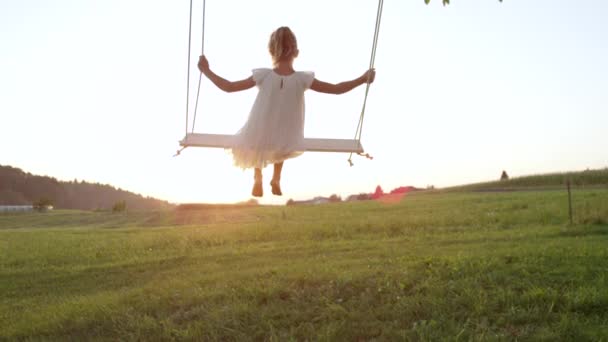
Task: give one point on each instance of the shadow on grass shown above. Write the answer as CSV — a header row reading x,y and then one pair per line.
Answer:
x,y
66,283
580,231
478,241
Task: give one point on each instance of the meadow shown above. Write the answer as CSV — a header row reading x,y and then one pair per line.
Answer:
x,y
455,266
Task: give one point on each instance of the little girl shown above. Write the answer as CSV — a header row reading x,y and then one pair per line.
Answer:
x,y
274,130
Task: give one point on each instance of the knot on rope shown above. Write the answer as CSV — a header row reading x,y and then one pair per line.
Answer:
x,y
179,151
366,155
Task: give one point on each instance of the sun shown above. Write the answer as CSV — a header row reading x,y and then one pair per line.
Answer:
x,y
209,176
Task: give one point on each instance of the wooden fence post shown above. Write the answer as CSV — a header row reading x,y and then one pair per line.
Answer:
x,y
569,201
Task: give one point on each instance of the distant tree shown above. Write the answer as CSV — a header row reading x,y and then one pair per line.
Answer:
x,y
504,175
290,202
42,204
11,197
364,197
378,193
119,207
335,198
19,187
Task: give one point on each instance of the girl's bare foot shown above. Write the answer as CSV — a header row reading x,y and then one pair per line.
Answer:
x,y
257,190
276,187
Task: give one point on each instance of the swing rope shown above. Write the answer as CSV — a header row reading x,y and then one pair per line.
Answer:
x,y
188,72
200,76
372,60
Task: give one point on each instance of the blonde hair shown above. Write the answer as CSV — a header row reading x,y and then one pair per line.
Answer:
x,y
282,45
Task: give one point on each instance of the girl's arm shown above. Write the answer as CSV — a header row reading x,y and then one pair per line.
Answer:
x,y
222,83
343,87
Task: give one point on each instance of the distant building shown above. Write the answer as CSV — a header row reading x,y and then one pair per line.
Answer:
x,y
316,200
352,198
359,197
320,200
16,208
23,208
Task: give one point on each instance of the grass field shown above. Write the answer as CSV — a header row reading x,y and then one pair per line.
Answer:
x,y
446,266
555,181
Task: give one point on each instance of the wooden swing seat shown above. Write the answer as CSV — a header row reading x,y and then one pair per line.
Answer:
x,y
310,144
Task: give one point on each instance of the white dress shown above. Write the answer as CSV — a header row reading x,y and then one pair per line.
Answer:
x,y
274,130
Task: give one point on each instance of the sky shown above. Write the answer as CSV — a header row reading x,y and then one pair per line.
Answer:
x,y
96,91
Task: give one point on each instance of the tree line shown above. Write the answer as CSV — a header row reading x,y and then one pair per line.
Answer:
x,y
21,188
